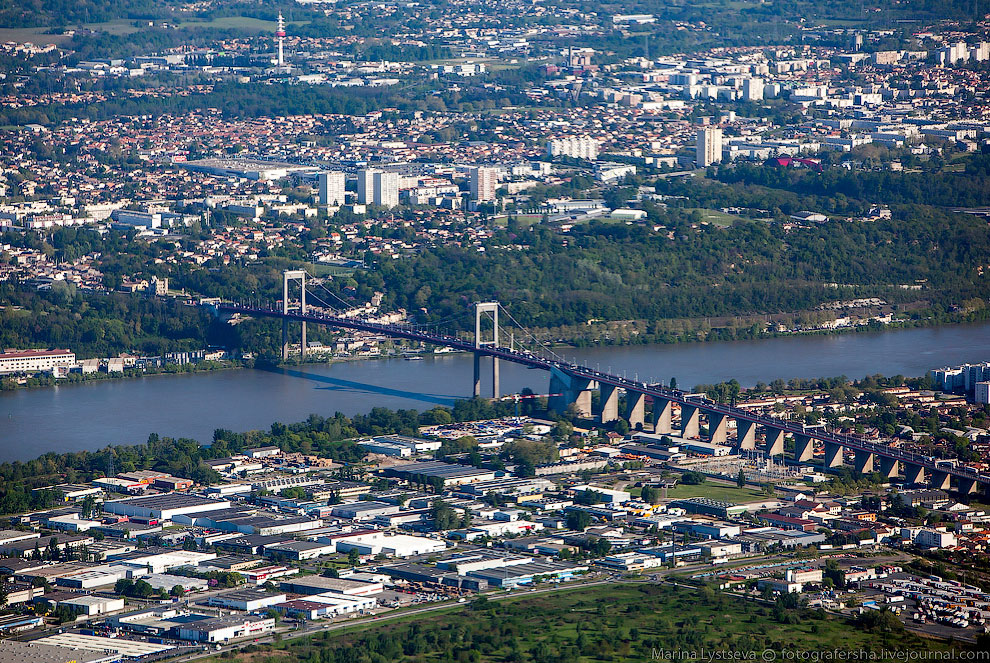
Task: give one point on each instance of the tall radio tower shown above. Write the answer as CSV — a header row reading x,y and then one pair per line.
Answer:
x,y
280,33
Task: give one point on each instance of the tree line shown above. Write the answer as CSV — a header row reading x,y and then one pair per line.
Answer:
x,y
328,437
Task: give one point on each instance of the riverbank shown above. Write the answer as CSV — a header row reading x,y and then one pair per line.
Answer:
x,y
749,328
632,341
46,380
35,421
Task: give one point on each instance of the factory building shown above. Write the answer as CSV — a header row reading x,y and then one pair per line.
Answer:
x,y
222,629
248,600
163,507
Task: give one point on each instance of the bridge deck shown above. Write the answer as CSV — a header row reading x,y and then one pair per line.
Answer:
x,y
654,391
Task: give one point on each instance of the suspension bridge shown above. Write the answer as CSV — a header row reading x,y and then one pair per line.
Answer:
x,y
572,384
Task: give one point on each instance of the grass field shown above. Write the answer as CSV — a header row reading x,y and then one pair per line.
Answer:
x,y
715,216
123,27
716,491
331,270
615,623
236,23
525,220
31,35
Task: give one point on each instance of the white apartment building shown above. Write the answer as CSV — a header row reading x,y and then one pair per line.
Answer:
x,y
332,186
483,183
366,186
35,361
386,189
709,146
576,147
752,89
982,393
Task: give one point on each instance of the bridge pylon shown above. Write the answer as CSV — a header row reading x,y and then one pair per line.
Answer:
x,y
289,276
485,311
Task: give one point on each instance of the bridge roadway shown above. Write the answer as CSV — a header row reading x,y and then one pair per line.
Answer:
x,y
917,466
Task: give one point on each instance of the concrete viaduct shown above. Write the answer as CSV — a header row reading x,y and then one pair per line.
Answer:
x,y
574,384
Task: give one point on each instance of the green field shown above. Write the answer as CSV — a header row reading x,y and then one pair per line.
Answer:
x,y
125,27
716,217
717,491
524,220
236,23
320,269
31,35
601,623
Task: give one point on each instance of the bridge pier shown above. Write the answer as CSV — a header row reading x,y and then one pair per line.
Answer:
x,y
491,309
833,454
609,405
690,422
496,391
288,276
285,339
635,409
745,435
572,390
914,474
966,486
863,461
774,442
717,428
888,467
940,480
662,410
804,448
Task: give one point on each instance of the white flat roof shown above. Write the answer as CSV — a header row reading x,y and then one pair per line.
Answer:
x,y
95,643
12,651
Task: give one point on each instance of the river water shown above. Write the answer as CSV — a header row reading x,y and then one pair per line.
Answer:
x,y
92,415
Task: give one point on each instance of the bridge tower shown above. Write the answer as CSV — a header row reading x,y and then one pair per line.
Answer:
x,y
484,311
289,276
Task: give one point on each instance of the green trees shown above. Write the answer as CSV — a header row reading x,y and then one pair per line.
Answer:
x,y
619,272
464,444
941,188
652,494
578,520
530,452
693,478
330,437
879,621
443,515
723,392
134,588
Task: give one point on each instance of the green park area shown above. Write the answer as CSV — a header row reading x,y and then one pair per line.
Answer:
x,y
717,490
629,622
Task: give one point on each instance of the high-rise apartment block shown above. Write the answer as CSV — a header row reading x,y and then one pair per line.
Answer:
x,y
331,188
366,186
484,181
386,189
709,145
752,89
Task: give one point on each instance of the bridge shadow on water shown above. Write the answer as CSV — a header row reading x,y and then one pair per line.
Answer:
x,y
335,384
